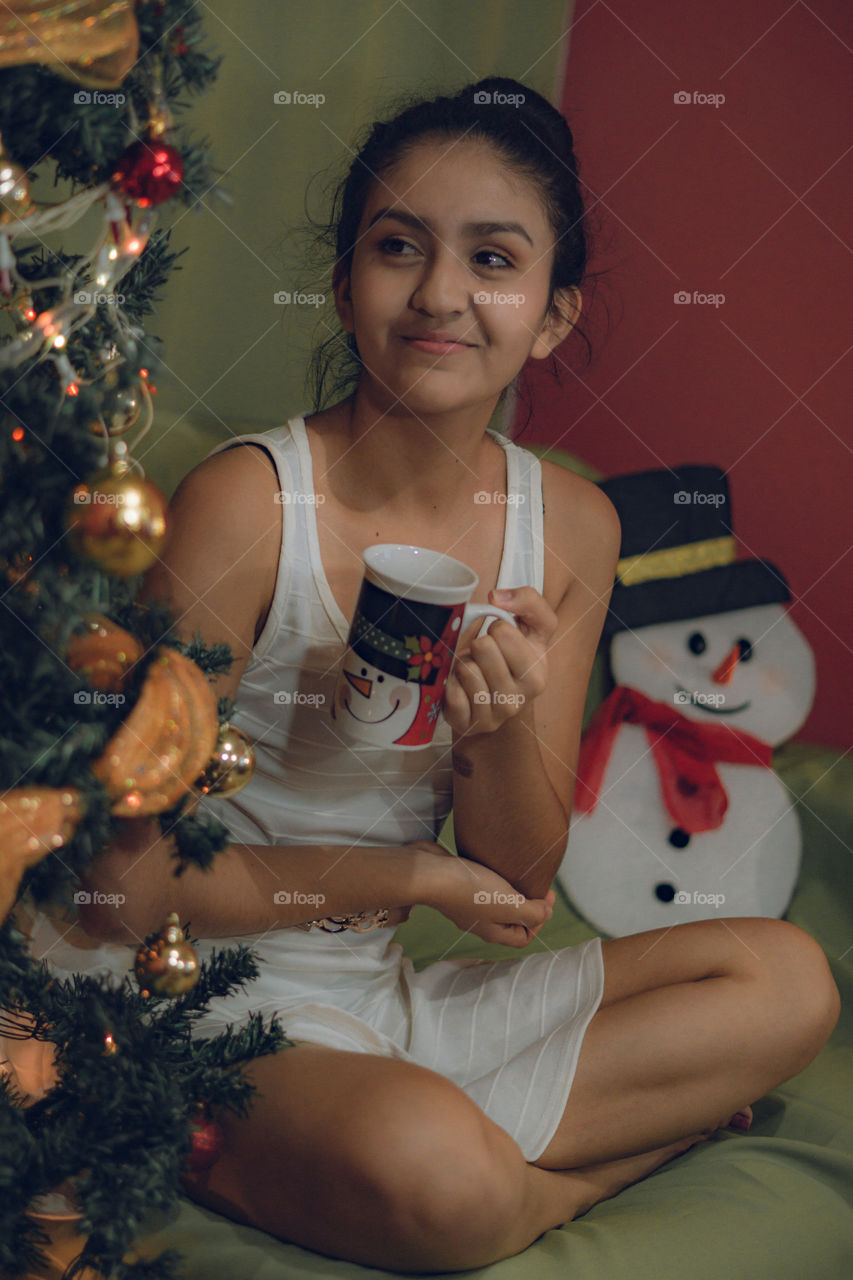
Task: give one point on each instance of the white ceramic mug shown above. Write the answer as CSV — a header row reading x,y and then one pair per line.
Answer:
x,y
411,610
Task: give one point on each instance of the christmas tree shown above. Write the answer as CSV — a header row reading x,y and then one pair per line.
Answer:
x,y
105,715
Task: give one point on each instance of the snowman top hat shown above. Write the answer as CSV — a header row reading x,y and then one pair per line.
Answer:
x,y
677,558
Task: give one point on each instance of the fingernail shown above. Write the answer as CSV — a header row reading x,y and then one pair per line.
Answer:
x,y
740,1120
504,594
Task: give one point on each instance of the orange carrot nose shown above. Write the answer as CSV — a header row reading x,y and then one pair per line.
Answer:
x,y
358,682
726,669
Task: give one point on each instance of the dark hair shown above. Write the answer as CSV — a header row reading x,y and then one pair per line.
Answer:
x,y
530,135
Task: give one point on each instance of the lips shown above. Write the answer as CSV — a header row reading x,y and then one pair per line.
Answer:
x,y
437,342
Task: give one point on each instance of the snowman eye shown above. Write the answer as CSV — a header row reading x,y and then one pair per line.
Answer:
x,y
745,649
364,671
379,679
696,642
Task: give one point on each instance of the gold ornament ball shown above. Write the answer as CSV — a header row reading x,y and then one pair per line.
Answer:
x,y
170,967
118,521
14,191
231,766
123,410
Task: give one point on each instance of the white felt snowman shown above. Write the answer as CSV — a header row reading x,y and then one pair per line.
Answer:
x,y
678,814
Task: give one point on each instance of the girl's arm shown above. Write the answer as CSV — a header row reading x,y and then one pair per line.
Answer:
x,y
514,763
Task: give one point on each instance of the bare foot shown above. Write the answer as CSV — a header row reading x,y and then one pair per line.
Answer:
x,y
598,1182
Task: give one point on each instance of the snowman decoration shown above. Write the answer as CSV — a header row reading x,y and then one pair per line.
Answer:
x,y
678,814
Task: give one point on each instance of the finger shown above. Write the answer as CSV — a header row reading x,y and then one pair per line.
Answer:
x,y
531,609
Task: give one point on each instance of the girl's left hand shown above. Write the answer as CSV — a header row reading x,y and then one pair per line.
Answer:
x,y
495,675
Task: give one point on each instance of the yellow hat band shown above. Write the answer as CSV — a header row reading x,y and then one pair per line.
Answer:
x,y
675,562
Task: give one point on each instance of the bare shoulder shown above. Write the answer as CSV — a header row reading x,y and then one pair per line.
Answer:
x,y
582,528
218,567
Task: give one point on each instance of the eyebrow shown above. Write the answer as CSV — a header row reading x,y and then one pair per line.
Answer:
x,y
472,228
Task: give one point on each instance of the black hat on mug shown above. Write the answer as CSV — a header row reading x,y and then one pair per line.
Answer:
x,y
677,558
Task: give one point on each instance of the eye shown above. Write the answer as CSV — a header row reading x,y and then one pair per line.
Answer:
x,y
380,679
746,650
394,246
493,253
364,671
696,642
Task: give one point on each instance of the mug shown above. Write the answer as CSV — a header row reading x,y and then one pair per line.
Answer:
x,y
411,610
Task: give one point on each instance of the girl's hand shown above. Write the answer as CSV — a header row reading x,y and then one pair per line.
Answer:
x,y
480,901
494,675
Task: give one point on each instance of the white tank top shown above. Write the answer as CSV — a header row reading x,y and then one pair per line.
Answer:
x,y
307,787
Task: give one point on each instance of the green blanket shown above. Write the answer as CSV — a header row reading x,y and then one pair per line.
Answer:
x,y
773,1204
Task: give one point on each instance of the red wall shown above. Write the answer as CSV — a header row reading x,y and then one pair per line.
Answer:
x,y
698,197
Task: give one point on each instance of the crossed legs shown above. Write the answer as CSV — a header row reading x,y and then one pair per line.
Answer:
x,y
388,1164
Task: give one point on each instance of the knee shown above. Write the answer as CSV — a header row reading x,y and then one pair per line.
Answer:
x,y
806,995
447,1182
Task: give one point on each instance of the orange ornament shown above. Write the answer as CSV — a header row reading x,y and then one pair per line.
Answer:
x,y
103,654
33,821
153,758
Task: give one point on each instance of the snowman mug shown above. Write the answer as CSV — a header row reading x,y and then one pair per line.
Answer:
x,y
411,610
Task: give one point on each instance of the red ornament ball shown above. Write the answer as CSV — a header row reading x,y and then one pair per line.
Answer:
x,y
207,1140
149,172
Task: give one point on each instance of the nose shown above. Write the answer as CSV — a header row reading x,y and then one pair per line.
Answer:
x,y
726,669
358,682
441,289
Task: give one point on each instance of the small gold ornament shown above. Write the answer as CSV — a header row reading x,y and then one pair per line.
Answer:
x,y
117,520
123,410
170,967
110,1047
231,766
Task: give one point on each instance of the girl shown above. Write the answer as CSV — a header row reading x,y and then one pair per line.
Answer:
x,y
441,1120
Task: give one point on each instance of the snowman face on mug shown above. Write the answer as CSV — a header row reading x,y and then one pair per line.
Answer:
x,y
381,706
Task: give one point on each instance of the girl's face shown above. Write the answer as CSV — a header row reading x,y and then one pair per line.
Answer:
x,y
448,287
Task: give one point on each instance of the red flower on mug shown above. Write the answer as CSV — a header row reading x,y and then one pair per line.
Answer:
x,y
428,654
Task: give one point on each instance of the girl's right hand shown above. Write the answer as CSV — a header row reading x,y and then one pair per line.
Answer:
x,y
480,901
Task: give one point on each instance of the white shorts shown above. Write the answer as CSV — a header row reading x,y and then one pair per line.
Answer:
x,y
507,1032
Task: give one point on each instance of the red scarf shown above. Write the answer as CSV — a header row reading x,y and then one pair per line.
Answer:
x,y
684,752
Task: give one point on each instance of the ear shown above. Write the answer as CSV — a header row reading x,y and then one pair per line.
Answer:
x,y
343,301
558,323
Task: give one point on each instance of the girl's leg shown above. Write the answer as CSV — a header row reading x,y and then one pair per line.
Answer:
x,y
696,1021
388,1164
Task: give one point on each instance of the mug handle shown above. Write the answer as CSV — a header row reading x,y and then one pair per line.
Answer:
x,y
473,611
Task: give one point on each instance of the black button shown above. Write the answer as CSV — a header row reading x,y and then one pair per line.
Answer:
x,y
664,892
679,838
